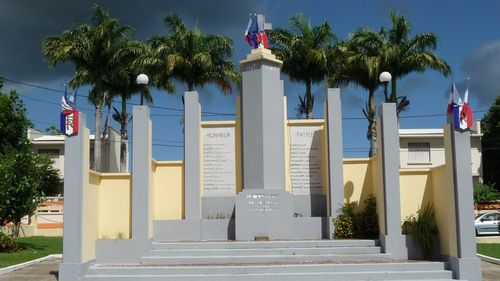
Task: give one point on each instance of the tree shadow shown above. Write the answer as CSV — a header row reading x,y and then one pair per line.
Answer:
x,y
54,273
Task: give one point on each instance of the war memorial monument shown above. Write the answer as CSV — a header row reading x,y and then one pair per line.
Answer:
x,y
261,177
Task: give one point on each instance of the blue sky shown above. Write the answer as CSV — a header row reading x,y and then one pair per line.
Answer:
x,y
469,40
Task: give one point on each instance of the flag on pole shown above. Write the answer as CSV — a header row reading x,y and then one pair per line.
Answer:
x,y
255,34
69,115
459,112
466,118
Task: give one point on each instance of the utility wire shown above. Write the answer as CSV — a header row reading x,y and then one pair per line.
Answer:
x,y
204,113
128,103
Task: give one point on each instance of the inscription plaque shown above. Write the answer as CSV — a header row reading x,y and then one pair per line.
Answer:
x,y
262,203
219,165
305,160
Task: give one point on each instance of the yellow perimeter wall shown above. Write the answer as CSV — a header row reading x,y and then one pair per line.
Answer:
x,y
108,195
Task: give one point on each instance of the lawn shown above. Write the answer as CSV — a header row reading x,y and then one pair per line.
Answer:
x,y
491,250
35,247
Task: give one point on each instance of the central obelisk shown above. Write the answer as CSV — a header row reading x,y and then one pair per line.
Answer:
x,y
263,208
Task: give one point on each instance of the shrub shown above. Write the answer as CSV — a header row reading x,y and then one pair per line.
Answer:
x,y
423,229
363,225
7,244
344,223
485,193
368,219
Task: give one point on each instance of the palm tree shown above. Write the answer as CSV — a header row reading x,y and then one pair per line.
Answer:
x,y
192,57
90,47
358,61
126,66
404,55
367,53
303,50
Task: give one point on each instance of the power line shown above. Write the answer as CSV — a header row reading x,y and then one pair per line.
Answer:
x,y
128,103
204,113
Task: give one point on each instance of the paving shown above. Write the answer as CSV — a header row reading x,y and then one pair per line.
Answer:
x,y
43,271
48,271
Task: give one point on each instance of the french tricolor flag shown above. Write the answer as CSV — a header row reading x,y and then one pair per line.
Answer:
x,y
459,112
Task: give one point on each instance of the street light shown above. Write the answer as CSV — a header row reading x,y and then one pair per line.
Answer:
x,y
142,80
385,77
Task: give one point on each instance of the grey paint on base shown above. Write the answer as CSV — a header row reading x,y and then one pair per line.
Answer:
x,y
262,126
263,212
217,207
466,268
309,205
192,156
121,251
392,241
335,151
224,207
194,230
141,174
74,152
467,265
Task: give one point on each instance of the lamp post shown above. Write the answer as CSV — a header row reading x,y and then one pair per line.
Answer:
x,y
385,77
142,80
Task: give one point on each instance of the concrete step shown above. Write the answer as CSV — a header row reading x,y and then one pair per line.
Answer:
x,y
283,276
265,251
103,269
311,260
159,245
251,259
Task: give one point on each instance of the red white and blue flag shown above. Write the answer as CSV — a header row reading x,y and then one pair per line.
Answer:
x,y
459,112
69,114
255,34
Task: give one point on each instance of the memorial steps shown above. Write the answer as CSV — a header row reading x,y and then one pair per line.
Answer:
x,y
269,260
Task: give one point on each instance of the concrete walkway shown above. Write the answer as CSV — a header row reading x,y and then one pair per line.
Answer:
x,y
48,270
43,271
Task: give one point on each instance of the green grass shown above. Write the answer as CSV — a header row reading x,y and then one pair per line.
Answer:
x,y
487,249
35,247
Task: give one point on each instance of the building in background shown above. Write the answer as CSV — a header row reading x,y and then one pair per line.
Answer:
x,y
424,148
53,146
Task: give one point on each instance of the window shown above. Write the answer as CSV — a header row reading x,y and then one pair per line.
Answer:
x,y
419,152
49,152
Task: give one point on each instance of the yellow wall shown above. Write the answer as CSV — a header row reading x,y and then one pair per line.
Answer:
x,y
114,205
107,196
357,180
416,190
90,205
168,189
444,194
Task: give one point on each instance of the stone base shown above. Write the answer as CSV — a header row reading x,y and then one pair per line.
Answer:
x,y
194,230
71,271
466,268
261,212
217,207
394,244
121,251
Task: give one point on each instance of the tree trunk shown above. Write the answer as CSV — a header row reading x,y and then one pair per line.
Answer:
x,y
123,137
372,133
190,86
309,101
394,97
16,226
97,140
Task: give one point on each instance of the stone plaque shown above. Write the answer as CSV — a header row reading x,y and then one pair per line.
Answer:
x,y
263,203
219,164
305,160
